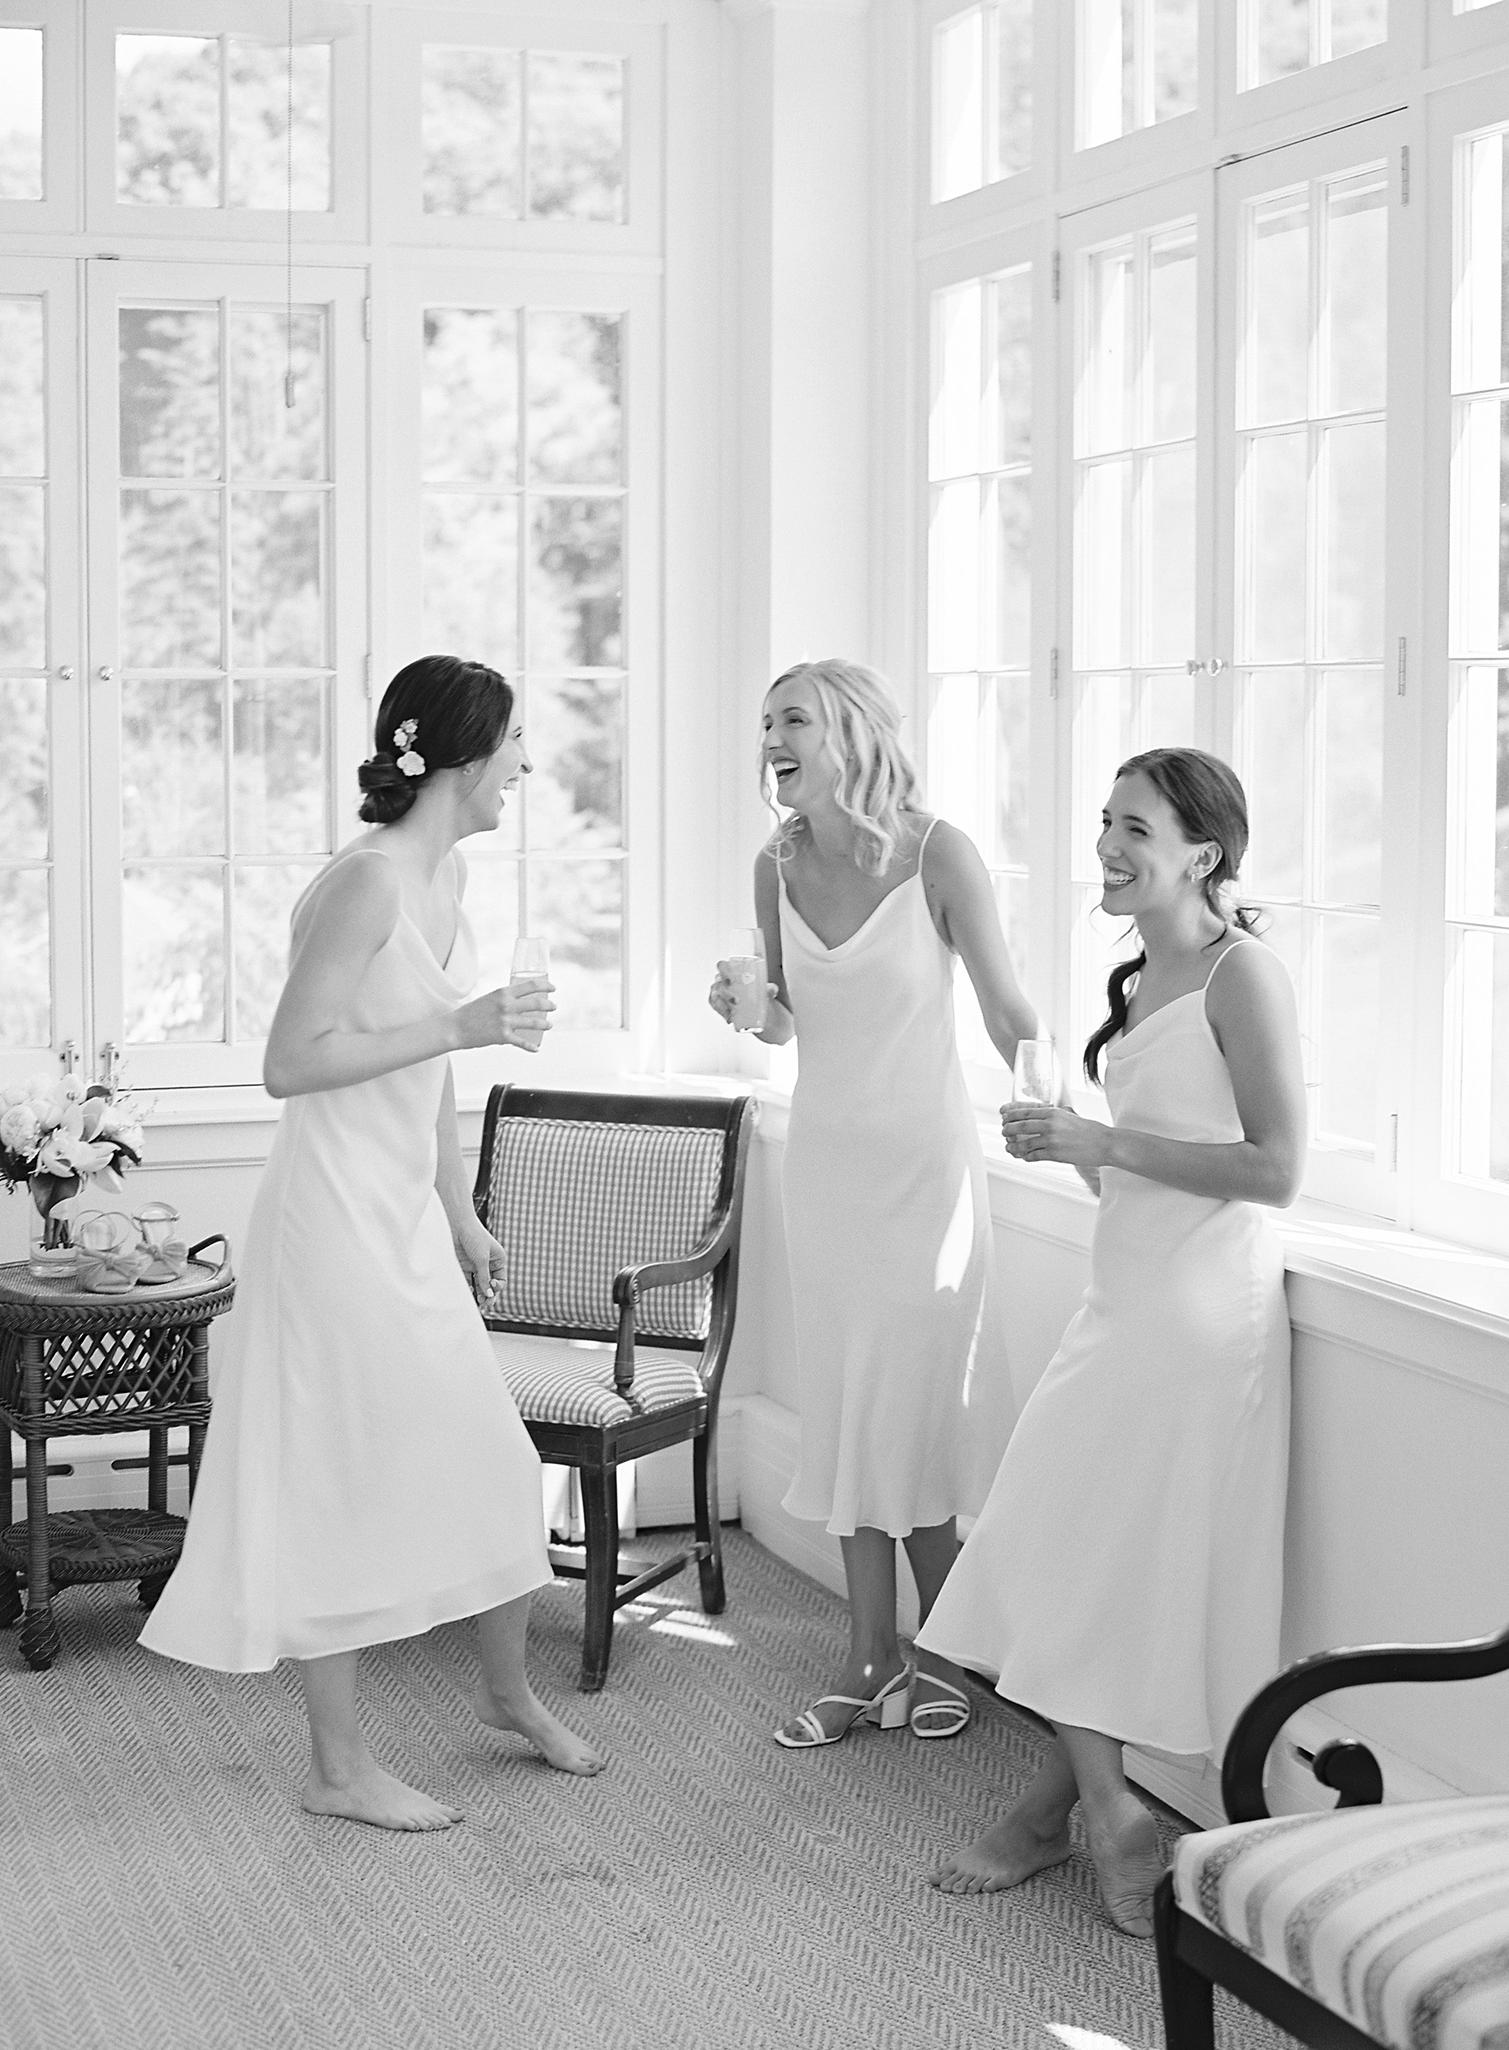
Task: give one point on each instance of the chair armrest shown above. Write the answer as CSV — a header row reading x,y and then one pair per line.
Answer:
x,y
629,1282
1349,1767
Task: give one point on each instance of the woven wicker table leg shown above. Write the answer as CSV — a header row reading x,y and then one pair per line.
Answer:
x,y
148,1591
10,1599
40,1642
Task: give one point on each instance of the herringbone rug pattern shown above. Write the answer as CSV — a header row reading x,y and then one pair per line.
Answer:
x,y
160,1889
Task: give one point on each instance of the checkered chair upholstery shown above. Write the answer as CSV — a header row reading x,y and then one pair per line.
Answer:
x,y
1366,1925
619,1216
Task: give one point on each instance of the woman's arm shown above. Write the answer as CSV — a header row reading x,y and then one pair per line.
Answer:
x,y
478,1251
964,911
339,933
1251,1011
780,1025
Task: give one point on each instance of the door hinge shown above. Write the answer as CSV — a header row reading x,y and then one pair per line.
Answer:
x,y
1053,672
1401,668
1404,174
1393,1142
1056,277
366,320
367,676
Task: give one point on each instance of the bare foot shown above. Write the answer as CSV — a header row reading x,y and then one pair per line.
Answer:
x,y
557,1745
377,1797
1009,1852
1128,1865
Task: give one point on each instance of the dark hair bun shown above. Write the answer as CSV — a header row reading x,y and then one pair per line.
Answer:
x,y
387,792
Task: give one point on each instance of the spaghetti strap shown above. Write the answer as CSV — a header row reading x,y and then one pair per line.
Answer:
x,y
922,844
1236,942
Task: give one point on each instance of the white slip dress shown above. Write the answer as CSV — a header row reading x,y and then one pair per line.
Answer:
x,y
1126,1573
905,1394
366,1475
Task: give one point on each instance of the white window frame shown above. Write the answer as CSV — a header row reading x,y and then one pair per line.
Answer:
x,y
398,637
346,219
1330,87
54,280
397,165
58,208
205,1065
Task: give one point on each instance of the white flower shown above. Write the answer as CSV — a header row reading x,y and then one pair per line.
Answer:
x,y
411,764
19,1130
65,1151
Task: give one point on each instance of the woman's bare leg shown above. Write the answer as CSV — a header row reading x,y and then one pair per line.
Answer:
x,y
504,1699
344,1778
1033,1836
1122,1835
930,1553
875,1653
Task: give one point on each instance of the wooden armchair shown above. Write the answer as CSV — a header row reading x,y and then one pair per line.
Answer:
x,y
620,1217
1359,1926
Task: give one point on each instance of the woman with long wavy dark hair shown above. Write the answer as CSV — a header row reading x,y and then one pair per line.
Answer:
x,y
366,1475
1124,1578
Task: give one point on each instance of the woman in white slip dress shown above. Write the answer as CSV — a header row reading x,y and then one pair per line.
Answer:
x,y
1124,1578
366,1474
864,901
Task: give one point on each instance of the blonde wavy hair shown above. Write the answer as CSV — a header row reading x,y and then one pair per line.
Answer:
x,y
874,781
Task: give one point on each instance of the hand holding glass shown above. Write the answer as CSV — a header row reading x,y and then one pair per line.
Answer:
x,y
745,970
1034,1073
530,966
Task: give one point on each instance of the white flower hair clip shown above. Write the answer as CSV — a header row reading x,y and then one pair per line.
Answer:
x,y
409,763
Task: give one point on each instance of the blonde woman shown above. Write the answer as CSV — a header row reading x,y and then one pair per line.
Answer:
x,y
864,901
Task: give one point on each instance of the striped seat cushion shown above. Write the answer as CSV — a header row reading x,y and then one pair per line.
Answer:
x,y
1395,1917
572,1201
570,1381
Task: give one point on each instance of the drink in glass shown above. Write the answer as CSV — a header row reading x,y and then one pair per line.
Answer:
x,y
530,966
745,969
1034,1076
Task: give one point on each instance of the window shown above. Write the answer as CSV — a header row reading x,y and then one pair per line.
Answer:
x,y
1282,37
21,175
982,108
1137,65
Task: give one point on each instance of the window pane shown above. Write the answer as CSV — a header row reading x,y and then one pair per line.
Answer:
x,y
1107,378
270,439
1352,597
493,887
1349,1009
25,957
23,572
1482,995
1170,367
1167,515
575,402
279,768
1137,65
1357,25
264,897
1102,567
1176,29
21,115
473,141
1352,799
1480,750
170,391
167,107
958,111
576,584
576,136
1276,346
172,767
22,402
1276,704
1480,330
23,816
1012,21
578,907
1480,538
173,943
1011,296
958,381
1356,288
1009,522
170,579
574,729
262,169
1008,703
471,588
1274,501
470,395
278,617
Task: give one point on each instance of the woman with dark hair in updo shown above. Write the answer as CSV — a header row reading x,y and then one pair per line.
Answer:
x,y
1125,1576
366,1475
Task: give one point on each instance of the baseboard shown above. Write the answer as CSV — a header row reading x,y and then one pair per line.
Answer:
x,y
94,1473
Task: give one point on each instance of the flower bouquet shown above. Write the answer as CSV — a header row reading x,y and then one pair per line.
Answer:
x,y
56,1135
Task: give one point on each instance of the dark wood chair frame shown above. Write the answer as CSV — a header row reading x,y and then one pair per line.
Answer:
x,y
1192,1959
597,1451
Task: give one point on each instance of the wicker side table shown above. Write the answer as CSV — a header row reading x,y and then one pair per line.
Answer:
x,y
75,1365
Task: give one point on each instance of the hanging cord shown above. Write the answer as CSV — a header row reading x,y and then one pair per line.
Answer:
x,y
288,228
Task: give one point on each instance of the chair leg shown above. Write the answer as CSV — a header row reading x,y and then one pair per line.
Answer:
x,y
600,1514
1188,2006
705,1509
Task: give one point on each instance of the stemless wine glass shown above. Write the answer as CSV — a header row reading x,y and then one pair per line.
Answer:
x,y
1034,1073
745,967
531,963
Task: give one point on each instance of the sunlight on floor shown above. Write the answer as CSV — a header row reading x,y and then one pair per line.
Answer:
x,y
1085,2039
679,1622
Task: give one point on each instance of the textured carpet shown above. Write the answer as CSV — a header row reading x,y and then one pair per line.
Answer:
x,y
160,1889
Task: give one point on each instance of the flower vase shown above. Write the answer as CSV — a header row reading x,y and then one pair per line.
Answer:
x,y
51,1254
